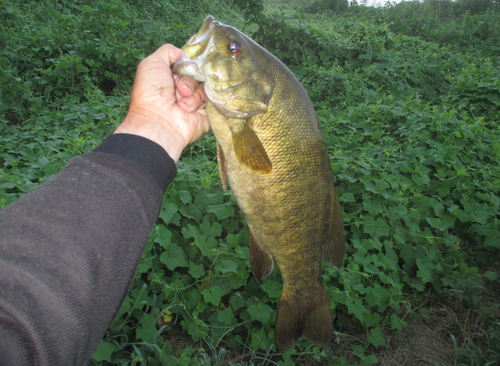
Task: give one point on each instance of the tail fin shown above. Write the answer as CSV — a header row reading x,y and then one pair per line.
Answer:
x,y
311,320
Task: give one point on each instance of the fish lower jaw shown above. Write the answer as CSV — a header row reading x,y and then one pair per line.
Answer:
x,y
190,68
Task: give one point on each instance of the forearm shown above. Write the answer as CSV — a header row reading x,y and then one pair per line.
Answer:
x,y
69,251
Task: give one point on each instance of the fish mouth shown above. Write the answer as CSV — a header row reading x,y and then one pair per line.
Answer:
x,y
195,51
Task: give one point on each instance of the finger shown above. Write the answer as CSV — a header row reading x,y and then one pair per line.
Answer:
x,y
195,101
186,86
202,125
169,53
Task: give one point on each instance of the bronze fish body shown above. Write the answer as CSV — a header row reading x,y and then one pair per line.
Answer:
x,y
271,150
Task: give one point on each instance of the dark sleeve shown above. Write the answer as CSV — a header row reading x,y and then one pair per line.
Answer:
x,y
70,248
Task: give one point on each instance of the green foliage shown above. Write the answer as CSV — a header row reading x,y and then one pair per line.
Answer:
x,y
412,130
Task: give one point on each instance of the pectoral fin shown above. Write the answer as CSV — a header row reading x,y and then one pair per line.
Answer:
x,y
261,261
334,249
249,150
221,161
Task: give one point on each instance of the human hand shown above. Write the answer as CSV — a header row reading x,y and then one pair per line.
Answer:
x,y
165,108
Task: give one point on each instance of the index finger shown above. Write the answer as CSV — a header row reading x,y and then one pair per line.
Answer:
x,y
168,53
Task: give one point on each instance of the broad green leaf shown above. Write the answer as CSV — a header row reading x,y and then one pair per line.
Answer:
x,y
425,270
376,337
260,312
185,197
237,301
192,298
347,197
272,288
196,270
397,323
357,308
189,231
210,231
174,257
168,211
197,330
227,266
260,340
222,211
376,228
104,351
147,330
226,317
213,295
234,240
163,236
206,245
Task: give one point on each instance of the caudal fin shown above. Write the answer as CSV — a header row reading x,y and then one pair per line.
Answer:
x,y
311,320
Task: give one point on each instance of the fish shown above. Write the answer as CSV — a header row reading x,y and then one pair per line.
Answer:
x,y
271,150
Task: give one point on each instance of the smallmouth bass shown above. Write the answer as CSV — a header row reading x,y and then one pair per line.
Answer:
x,y
271,150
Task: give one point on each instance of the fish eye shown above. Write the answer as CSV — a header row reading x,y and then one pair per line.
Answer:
x,y
234,47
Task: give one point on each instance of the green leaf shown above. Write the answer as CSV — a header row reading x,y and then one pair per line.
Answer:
x,y
222,211
358,350
163,236
425,270
227,266
104,351
210,231
226,317
260,340
195,270
376,228
492,240
397,323
272,288
234,240
260,312
192,298
206,245
189,231
347,197
168,211
213,295
237,301
147,330
376,337
185,197
357,308
174,257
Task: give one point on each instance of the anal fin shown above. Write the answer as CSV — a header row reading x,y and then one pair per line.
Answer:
x,y
248,148
261,261
334,248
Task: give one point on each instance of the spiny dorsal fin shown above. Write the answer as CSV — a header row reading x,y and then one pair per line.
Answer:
x,y
221,161
261,261
249,150
334,249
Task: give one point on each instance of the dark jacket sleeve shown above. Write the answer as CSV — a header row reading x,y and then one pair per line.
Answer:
x,y
70,248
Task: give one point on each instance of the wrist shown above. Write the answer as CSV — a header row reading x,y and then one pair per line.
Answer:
x,y
155,128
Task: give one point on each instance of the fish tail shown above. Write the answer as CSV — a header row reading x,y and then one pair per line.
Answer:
x,y
312,320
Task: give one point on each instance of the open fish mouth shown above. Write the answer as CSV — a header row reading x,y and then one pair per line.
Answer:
x,y
195,51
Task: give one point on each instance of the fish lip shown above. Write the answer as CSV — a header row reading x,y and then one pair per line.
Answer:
x,y
204,32
191,60
189,67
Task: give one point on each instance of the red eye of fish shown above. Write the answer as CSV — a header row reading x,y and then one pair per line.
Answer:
x,y
234,47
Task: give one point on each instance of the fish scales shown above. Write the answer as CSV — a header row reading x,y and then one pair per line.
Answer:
x,y
287,193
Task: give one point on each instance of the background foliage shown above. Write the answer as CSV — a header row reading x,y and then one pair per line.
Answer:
x,y
409,99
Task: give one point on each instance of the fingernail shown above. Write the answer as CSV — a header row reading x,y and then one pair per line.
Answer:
x,y
188,84
188,102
